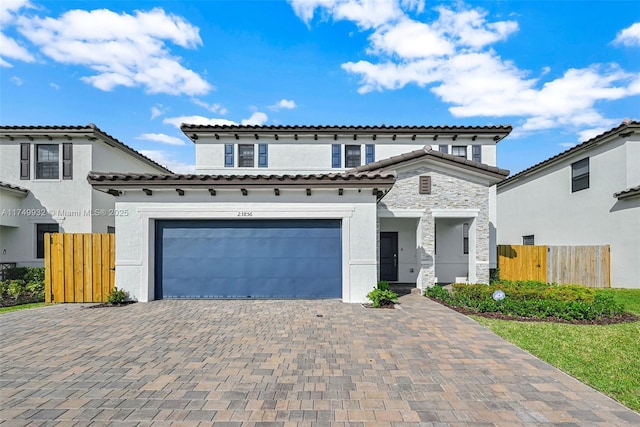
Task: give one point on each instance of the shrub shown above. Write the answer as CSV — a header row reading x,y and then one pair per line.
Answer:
x,y
438,292
383,285
16,288
116,296
532,299
380,297
494,275
23,285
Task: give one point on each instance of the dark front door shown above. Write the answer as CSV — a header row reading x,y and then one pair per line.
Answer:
x,y
389,256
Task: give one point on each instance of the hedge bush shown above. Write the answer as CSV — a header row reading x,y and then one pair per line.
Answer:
x,y
22,285
531,299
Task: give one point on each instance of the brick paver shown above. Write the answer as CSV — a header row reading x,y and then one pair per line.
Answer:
x,y
279,363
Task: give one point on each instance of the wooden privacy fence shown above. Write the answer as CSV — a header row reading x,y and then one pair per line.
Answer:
x,y
581,265
79,267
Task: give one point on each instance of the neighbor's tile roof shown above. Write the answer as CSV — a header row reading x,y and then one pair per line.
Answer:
x,y
346,180
13,131
498,132
13,187
438,156
624,129
628,192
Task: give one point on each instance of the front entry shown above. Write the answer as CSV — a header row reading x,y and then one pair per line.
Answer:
x,y
389,256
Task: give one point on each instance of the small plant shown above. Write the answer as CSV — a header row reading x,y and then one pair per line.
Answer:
x,y
116,296
379,297
383,285
438,292
494,275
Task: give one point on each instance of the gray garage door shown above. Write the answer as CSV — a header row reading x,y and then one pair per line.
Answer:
x,y
248,259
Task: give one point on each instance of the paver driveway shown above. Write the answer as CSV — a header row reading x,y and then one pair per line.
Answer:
x,y
279,363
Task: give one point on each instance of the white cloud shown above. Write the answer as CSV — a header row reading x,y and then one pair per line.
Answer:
x,y
365,13
214,108
157,111
17,81
122,49
453,56
630,36
286,104
257,119
167,160
587,134
54,86
567,145
9,47
196,120
161,138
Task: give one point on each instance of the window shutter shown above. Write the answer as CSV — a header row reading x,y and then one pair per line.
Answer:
x,y
335,156
370,153
262,155
443,148
425,185
476,153
228,155
25,166
67,161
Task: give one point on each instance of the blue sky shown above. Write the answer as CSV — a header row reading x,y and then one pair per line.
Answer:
x,y
560,72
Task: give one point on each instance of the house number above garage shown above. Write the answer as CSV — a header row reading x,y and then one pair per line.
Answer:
x,y
245,213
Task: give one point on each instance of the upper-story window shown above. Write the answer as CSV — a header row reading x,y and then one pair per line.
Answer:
x,y
245,156
443,148
580,175
47,161
352,156
476,153
459,151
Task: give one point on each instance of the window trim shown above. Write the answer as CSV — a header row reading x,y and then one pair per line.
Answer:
x,y
582,181
38,162
455,148
349,159
40,236
243,158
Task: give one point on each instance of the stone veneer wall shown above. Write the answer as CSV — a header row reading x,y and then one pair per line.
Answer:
x,y
447,192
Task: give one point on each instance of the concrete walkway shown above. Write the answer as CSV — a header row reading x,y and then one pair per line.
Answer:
x,y
279,363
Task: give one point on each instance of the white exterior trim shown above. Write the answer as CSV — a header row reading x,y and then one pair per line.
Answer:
x,y
455,213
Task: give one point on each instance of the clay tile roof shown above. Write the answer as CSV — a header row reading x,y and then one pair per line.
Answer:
x,y
13,187
628,192
355,179
11,131
438,156
498,132
626,128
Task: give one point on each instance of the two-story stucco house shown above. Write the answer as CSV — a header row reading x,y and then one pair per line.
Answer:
x,y
44,188
587,195
309,212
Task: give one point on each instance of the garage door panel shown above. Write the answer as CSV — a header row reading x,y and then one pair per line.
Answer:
x,y
249,259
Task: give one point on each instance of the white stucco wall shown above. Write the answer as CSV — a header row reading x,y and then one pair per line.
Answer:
x,y
135,231
306,155
544,206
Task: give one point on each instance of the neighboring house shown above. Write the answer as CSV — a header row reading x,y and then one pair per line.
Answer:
x,y
309,212
44,188
587,195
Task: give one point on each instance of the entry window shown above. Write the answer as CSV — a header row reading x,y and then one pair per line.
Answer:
x,y
352,156
245,155
47,161
41,229
465,238
459,151
528,240
580,175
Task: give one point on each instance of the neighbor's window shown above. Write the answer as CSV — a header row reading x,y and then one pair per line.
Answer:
x,y
40,230
47,161
528,240
352,157
465,238
245,155
459,151
580,175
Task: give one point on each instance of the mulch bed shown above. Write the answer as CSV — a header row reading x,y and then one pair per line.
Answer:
x,y
622,318
107,305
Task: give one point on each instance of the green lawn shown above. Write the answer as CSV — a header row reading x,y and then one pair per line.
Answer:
x,y
605,357
21,307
